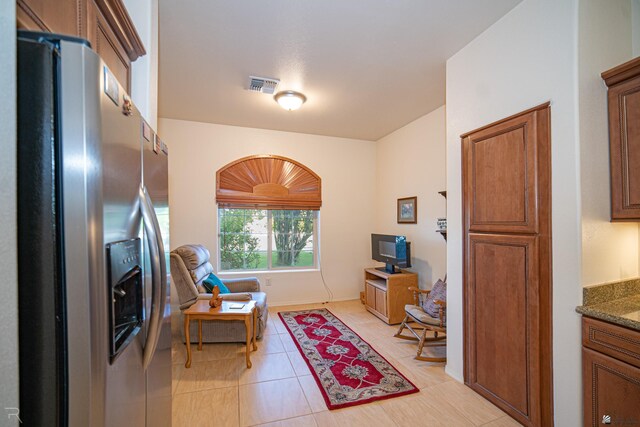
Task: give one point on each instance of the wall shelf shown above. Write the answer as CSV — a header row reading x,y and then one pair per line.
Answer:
x,y
443,232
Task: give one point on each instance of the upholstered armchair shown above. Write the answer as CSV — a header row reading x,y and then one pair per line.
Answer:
x,y
190,265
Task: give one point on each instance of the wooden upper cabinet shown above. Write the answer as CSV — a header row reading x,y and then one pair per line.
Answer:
x,y
624,139
60,16
502,184
105,23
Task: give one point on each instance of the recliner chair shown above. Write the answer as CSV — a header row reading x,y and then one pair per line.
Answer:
x,y
189,267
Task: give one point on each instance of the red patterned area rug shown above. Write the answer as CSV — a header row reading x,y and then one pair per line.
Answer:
x,y
348,370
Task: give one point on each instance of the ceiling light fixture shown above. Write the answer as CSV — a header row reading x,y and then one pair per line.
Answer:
x,y
290,99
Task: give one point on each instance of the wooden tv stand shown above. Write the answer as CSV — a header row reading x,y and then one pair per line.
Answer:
x,y
385,294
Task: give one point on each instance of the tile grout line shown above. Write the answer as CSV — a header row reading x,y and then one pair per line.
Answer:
x,y
499,418
239,412
306,399
208,389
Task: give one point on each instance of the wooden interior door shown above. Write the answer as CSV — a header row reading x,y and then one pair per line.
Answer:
x,y
507,261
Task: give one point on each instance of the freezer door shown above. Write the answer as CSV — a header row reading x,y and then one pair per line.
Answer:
x,y
156,182
42,316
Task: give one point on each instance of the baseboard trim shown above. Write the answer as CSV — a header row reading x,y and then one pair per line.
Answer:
x,y
315,301
453,375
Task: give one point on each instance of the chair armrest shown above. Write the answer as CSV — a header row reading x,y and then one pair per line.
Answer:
x,y
239,296
247,284
417,292
422,291
236,296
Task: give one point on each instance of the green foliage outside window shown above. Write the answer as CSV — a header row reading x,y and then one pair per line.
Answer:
x,y
238,249
245,233
291,230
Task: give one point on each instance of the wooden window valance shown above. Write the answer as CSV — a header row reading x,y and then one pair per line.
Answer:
x,y
268,182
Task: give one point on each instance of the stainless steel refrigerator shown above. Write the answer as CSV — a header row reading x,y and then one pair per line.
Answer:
x,y
94,312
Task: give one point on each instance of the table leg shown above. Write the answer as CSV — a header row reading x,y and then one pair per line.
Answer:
x,y
188,339
255,328
247,321
199,335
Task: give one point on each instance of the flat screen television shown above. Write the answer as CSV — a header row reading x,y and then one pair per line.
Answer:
x,y
394,251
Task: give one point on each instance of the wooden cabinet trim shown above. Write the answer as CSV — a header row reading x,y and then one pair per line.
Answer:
x,y
497,122
119,65
24,12
115,13
622,72
82,17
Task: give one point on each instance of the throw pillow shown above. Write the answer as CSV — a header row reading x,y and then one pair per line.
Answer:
x,y
438,292
212,280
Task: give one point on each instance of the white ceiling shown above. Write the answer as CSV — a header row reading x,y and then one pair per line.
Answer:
x,y
366,67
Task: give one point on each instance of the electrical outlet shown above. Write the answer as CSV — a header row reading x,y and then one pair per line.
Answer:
x,y
268,281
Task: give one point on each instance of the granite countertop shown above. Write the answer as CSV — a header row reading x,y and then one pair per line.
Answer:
x,y
617,302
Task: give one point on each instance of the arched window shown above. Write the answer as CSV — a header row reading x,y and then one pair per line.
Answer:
x,y
267,214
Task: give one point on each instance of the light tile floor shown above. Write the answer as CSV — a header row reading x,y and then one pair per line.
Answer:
x,y
279,390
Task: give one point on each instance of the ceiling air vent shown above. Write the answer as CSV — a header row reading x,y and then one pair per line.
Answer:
x,y
263,84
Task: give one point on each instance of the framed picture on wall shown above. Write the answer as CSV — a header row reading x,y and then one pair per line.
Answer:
x,y
408,210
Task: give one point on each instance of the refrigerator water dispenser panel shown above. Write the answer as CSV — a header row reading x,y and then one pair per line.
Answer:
x,y
125,291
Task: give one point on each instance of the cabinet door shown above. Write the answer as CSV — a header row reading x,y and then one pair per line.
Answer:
x,y
624,140
611,389
501,284
381,302
60,16
370,295
501,184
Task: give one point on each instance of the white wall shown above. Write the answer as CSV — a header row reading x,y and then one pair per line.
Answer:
x,y
411,162
144,71
635,19
523,60
348,171
8,226
609,250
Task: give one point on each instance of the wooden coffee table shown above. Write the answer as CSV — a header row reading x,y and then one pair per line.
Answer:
x,y
202,311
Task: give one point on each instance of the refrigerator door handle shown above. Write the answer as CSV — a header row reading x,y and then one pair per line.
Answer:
x,y
158,275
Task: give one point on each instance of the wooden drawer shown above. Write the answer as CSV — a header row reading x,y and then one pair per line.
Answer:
x,y
613,340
